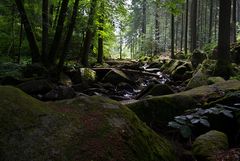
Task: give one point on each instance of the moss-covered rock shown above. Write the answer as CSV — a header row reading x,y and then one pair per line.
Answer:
x,y
155,90
163,108
116,76
32,87
198,57
213,80
11,70
198,79
88,74
83,129
207,145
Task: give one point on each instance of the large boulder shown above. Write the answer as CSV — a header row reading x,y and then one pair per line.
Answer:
x,y
83,129
161,109
198,79
206,146
35,70
116,76
33,87
11,70
155,90
198,57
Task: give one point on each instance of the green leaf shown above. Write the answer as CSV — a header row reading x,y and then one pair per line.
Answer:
x,y
205,122
227,113
174,124
186,131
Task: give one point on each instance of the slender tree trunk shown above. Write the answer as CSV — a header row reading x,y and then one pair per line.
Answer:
x,y
20,42
29,33
210,22
234,20
182,31
51,11
69,36
157,32
144,24
57,14
223,68
193,25
58,33
172,36
100,41
186,28
89,34
45,25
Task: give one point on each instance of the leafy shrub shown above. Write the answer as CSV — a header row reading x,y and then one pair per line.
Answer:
x,y
191,118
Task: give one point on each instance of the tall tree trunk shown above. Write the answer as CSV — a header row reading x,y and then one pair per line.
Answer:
x,y
172,36
57,14
45,25
182,30
157,32
100,40
223,67
144,24
20,42
210,22
89,34
69,36
234,20
186,28
29,33
58,33
193,25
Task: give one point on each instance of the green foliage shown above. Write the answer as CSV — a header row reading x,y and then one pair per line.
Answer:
x,y
199,116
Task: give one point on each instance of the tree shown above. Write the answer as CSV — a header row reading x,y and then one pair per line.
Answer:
x,y
29,32
193,25
89,33
69,36
186,28
58,33
223,67
45,25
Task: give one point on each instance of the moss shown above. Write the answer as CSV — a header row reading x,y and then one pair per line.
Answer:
x,y
163,108
80,129
207,145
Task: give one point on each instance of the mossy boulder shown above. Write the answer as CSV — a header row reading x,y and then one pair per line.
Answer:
x,y
88,74
198,79
182,72
213,80
161,109
115,77
207,145
11,70
83,129
155,90
40,86
198,57
35,70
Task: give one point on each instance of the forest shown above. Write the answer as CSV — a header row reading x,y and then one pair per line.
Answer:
x,y
119,80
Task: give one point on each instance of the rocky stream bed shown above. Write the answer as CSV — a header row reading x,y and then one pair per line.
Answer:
x,y
162,110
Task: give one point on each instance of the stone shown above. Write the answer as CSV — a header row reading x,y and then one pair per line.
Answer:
x,y
155,90
162,109
213,80
83,128
88,74
198,79
35,70
116,76
41,86
207,145
11,70
60,93
197,58
181,72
